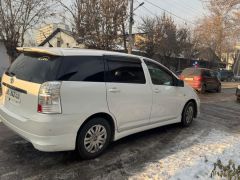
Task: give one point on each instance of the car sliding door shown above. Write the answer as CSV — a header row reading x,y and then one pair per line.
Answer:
x,y
129,96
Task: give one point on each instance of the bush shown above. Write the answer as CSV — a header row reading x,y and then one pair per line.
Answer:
x,y
229,171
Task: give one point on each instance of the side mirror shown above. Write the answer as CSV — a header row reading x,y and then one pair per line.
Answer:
x,y
180,83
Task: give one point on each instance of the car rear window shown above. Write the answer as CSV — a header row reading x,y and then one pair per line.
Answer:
x,y
37,68
81,68
191,72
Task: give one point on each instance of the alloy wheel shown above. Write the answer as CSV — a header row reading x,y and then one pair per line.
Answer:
x,y
189,114
95,138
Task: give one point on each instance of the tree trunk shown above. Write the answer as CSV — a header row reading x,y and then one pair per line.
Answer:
x,y
124,36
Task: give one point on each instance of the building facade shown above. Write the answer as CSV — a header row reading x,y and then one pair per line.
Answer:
x,y
61,38
47,30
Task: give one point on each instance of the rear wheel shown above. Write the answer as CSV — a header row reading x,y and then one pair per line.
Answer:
x,y
188,114
93,138
203,89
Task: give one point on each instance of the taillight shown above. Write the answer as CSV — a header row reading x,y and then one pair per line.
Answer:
x,y
181,77
49,99
197,78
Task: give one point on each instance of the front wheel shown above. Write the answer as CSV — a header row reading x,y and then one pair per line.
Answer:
x,y
188,114
93,138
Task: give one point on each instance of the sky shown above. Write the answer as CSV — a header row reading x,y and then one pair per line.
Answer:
x,y
188,11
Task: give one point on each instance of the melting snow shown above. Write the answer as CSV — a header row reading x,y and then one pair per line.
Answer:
x,y
196,161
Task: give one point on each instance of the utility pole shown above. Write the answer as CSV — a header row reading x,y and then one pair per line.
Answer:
x,y
131,21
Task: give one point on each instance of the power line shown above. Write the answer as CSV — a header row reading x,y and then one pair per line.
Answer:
x,y
149,11
186,6
146,9
170,12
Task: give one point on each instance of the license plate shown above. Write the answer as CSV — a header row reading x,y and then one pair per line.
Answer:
x,y
13,96
188,79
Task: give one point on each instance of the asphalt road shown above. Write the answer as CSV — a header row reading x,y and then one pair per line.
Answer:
x,y
124,158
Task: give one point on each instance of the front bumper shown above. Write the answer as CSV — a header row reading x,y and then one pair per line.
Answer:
x,y
48,136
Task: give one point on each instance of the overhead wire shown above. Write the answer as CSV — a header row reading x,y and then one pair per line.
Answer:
x,y
166,11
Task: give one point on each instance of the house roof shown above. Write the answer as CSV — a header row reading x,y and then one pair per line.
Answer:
x,y
54,33
207,54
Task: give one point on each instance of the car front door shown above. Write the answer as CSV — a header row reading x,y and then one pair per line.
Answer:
x,y
129,95
168,100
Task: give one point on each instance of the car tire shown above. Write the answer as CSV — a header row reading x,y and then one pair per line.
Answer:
x,y
238,99
188,114
203,89
93,138
219,89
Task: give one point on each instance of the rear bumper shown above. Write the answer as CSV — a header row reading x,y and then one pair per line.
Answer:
x,y
195,85
48,137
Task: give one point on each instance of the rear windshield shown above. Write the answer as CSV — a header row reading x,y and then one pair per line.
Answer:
x,y
39,68
35,68
191,72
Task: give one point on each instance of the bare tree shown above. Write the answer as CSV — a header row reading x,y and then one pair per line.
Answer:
x,y
163,37
98,22
148,43
166,38
219,30
16,18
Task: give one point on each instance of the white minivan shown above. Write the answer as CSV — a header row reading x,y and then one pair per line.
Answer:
x,y
71,99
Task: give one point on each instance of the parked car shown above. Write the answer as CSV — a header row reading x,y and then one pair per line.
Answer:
x,y
226,75
238,93
201,79
67,99
237,78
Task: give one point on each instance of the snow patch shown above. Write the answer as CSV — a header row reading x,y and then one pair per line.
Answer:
x,y
196,161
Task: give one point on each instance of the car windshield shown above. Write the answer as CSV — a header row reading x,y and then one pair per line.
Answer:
x,y
37,68
191,72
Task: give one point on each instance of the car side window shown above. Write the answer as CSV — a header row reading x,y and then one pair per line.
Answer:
x,y
207,74
125,70
213,74
159,75
82,68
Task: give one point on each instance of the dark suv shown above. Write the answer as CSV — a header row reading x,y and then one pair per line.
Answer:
x,y
226,75
201,79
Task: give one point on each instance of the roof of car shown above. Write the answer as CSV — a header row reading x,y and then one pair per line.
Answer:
x,y
70,51
198,68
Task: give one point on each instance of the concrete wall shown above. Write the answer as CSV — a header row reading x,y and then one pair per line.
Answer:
x,y
4,59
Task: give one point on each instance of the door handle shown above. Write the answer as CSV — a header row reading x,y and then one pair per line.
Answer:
x,y
114,90
156,90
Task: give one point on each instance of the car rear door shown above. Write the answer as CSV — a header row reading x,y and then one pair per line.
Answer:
x,y
129,95
208,81
215,81
168,100
83,89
